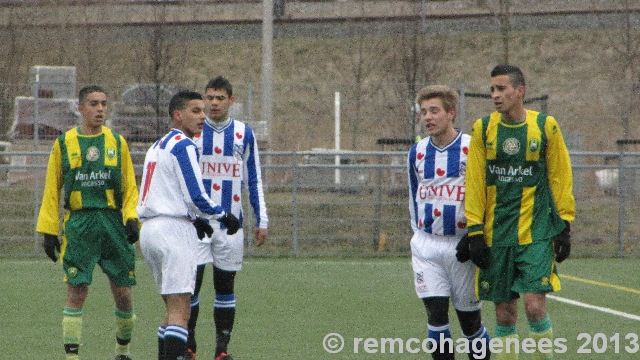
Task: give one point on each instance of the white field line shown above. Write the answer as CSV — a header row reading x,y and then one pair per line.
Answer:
x,y
593,307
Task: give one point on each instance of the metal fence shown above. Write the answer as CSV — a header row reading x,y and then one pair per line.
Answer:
x,y
327,203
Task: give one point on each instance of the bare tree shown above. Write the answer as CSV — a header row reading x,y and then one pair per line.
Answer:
x,y
502,11
629,48
90,34
159,66
505,27
9,76
626,43
416,59
368,59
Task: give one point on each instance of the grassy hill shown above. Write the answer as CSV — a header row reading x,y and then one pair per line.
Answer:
x,y
582,72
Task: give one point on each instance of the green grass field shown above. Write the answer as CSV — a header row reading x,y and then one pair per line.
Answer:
x,y
287,306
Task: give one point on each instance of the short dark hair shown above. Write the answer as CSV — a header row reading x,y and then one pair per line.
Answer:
x,y
180,99
218,83
514,73
85,91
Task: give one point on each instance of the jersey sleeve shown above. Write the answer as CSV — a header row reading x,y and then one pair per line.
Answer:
x,y
129,187
48,219
191,181
559,170
476,195
413,186
253,174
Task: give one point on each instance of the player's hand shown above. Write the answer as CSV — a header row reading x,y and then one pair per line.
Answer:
x,y
231,222
51,244
133,231
462,249
202,227
562,243
479,252
261,235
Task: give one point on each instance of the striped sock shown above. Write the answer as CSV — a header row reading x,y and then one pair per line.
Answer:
x,y
175,341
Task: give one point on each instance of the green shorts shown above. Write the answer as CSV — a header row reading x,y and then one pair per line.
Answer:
x,y
516,270
96,237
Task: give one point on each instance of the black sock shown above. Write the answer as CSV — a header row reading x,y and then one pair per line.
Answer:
x,y
175,342
193,319
222,341
223,318
161,343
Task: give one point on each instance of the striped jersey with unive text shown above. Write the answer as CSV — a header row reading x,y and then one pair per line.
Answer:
x,y
171,182
229,160
437,186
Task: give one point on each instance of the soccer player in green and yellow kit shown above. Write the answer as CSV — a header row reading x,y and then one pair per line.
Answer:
x,y
93,166
519,205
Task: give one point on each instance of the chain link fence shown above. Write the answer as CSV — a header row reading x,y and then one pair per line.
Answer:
x,y
355,206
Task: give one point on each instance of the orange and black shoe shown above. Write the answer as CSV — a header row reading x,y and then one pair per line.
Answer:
x,y
189,355
224,356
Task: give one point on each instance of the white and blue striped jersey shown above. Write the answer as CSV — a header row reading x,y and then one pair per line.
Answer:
x,y
437,186
172,183
230,160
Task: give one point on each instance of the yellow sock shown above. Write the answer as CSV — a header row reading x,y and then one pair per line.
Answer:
x,y
510,343
547,334
125,321
71,331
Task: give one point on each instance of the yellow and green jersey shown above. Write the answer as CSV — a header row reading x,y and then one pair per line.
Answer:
x,y
95,171
519,182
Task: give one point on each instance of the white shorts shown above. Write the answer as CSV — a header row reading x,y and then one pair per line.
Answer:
x,y
437,272
224,251
167,246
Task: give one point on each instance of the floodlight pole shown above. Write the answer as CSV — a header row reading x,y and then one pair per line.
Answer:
x,y
36,147
337,137
267,68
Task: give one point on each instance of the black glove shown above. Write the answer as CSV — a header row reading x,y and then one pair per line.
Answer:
x,y
479,252
562,243
51,244
202,227
133,231
462,249
231,222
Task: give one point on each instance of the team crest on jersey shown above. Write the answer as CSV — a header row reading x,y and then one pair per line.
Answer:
x,y
420,277
463,168
93,153
111,153
511,146
534,145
